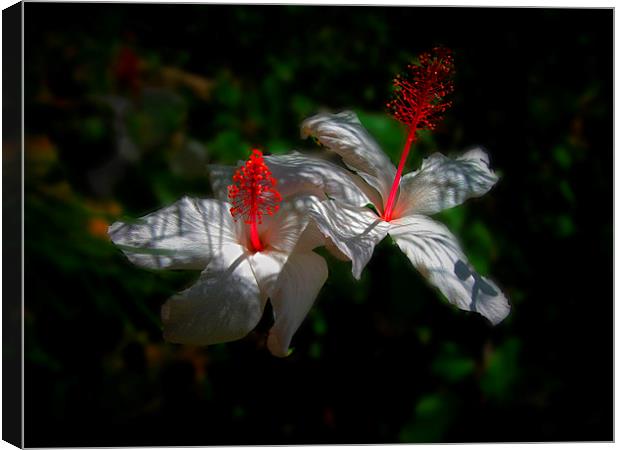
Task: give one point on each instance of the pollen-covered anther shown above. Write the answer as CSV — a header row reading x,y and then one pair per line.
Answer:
x,y
253,193
418,99
418,102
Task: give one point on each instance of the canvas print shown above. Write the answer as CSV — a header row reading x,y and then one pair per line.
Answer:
x,y
295,224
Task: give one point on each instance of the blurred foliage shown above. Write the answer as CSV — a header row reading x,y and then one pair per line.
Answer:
x,y
125,106
433,415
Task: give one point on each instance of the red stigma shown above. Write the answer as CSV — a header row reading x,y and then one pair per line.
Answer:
x,y
418,100
253,191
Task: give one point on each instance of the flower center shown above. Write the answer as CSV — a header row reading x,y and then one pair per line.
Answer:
x,y
253,194
418,103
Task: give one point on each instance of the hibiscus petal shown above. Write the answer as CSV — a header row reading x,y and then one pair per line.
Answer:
x,y
222,306
335,251
300,282
300,174
344,134
284,229
355,231
220,177
311,238
267,267
183,235
434,251
443,183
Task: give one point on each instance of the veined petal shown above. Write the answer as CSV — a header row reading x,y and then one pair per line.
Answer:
x,y
310,239
334,250
224,305
344,134
287,233
300,282
267,266
355,231
434,251
184,235
283,230
443,183
299,174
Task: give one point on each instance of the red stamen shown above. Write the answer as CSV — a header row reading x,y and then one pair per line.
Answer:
x,y
418,102
389,206
253,194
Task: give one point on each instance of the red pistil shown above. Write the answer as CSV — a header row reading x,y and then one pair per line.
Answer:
x,y
253,194
418,102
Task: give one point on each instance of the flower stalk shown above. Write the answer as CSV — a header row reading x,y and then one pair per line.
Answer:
x,y
254,238
418,102
389,206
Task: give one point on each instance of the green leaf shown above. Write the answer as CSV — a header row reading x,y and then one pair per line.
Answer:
x,y
319,324
502,370
567,191
228,147
93,128
454,218
432,417
315,350
562,156
480,246
388,132
277,147
302,105
564,226
451,365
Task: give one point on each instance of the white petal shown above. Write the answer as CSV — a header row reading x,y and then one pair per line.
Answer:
x,y
311,238
443,183
220,177
335,251
183,235
288,232
300,174
224,304
284,229
300,282
355,231
344,134
267,266
434,251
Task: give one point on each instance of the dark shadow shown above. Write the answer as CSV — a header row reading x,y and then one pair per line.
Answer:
x,y
464,272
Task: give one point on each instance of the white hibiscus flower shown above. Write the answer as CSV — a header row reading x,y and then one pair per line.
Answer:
x,y
268,254
441,183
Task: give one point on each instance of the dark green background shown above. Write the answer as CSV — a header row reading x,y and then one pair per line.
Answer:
x,y
385,359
